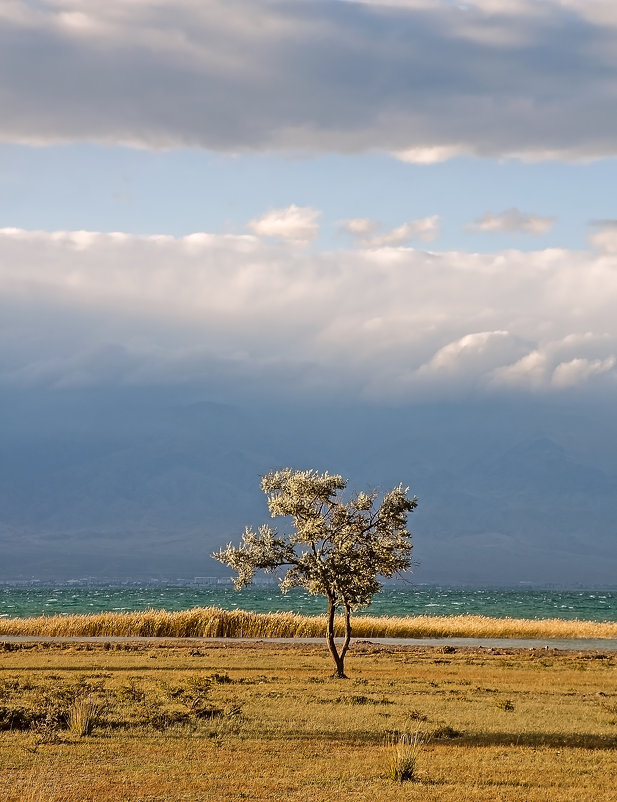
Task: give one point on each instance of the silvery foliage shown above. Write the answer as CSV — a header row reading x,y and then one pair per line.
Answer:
x,y
336,549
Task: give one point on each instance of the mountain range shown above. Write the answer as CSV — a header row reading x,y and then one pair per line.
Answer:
x,y
126,486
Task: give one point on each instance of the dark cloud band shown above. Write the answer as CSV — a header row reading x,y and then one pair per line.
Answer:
x,y
426,79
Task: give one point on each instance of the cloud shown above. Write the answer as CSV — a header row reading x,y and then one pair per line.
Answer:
x,y
424,80
479,346
577,371
469,360
569,362
297,223
605,238
79,308
513,221
430,155
425,229
358,226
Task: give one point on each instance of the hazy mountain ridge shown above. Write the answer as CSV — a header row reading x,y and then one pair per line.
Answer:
x,y
156,498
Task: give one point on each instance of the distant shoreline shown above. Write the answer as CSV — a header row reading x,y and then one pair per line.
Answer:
x,y
272,584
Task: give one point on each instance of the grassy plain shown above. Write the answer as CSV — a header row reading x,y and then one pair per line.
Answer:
x,y
264,721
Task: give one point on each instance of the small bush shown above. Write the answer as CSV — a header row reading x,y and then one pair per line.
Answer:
x,y
404,755
506,704
194,694
12,685
83,715
17,718
131,691
221,679
354,699
45,730
162,718
359,699
208,712
446,732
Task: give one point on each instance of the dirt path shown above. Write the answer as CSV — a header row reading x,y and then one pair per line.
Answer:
x,y
571,644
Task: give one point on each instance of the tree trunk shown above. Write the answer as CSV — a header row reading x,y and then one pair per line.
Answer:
x,y
339,659
347,632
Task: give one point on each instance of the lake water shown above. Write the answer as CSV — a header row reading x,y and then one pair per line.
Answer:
x,y
38,599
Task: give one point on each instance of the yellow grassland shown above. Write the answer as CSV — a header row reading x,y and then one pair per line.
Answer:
x,y
491,726
214,622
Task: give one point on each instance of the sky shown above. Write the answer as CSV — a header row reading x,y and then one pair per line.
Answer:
x,y
386,202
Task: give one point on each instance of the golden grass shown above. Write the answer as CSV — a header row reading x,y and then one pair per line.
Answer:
x,y
214,622
302,736
405,749
82,715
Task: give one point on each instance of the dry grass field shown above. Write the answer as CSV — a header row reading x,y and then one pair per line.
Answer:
x,y
263,721
208,622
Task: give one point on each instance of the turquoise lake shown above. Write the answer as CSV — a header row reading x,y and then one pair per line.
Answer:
x,y
39,599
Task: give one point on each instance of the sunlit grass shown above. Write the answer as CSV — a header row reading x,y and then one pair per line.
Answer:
x,y
214,622
404,756
282,728
82,715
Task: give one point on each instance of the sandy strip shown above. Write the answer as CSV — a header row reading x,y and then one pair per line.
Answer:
x,y
569,644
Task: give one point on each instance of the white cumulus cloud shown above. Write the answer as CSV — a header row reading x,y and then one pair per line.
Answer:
x,y
480,347
579,370
512,220
358,226
85,307
604,238
567,362
292,223
424,229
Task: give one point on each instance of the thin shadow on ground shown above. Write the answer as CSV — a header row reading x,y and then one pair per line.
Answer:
x,y
537,740
549,740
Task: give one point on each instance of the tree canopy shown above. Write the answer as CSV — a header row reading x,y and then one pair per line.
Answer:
x,y
336,548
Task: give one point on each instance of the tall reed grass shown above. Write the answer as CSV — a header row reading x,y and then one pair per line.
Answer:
x,y
212,622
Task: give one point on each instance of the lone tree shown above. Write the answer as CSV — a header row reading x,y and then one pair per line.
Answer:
x,y
336,549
